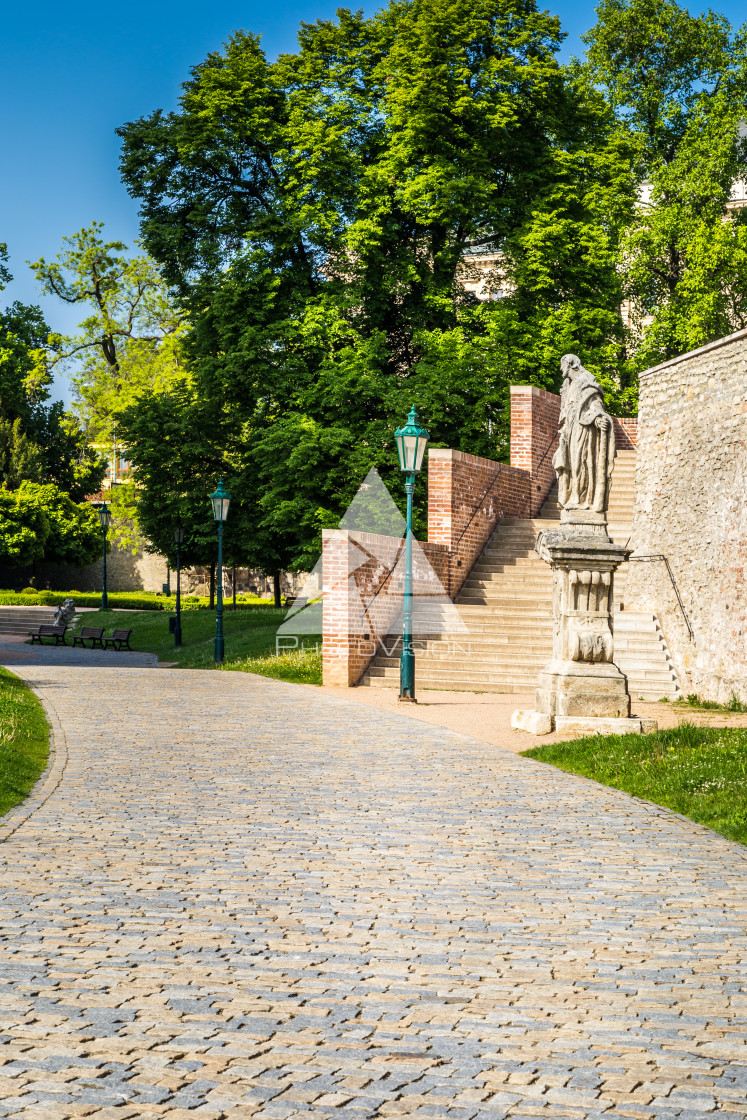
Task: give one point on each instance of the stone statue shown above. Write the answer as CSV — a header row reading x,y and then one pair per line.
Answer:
x,y
586,449
63,616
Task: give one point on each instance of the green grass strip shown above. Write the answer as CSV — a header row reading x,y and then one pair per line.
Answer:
x,y
250,645
700,772
303,667
24,740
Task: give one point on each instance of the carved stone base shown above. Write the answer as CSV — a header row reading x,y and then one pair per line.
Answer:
x,y
588,725
582,688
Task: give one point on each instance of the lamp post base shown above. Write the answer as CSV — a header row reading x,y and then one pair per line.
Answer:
x,y
407,699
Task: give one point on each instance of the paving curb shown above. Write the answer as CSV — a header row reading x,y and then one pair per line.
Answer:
x,y
49,780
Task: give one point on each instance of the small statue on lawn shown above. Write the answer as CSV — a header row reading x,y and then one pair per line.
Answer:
x,y
64,614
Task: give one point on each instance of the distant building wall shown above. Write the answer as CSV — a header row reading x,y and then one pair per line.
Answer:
x,y
691,505
124,572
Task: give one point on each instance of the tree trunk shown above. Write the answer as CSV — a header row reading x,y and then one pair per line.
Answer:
x,y
212,585
276,587
233,588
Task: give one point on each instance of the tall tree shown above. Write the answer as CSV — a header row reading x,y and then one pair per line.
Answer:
x,y
129,339
678,84
47,467
315,215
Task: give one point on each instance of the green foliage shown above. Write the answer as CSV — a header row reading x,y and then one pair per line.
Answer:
x,y
20,459
128,342
68,459
46,465
678,85
24,525
24,377
122,600
317,216
172,438
696,771
74,530
24,741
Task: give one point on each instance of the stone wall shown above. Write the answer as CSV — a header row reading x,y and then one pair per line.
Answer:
x,y
143,571
124,572
691,505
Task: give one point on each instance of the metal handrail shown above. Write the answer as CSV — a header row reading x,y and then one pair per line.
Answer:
x,y
536,469
475,511
455,550
650,558
386,578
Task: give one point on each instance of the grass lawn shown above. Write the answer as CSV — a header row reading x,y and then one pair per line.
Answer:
x,y
249,641
24,740
700,772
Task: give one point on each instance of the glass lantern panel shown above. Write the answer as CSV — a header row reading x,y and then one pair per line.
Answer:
x,y
410,448
399,440
422,442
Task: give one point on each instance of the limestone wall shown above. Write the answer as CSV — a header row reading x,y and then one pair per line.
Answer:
x,y
124,572
691,505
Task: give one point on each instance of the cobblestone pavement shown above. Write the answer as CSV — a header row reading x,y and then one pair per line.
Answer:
x,y
17,651
234,898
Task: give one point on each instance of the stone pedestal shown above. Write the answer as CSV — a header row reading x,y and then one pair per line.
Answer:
x,y
581,684
581,679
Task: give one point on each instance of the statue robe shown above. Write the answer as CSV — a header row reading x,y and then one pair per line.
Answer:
x,y
586,453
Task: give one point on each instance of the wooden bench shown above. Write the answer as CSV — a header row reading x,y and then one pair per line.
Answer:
x,y
46,631
96,635
120,639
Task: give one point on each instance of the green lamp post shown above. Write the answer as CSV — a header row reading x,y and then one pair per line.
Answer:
x,y
105,520
178,541
411,444
220,500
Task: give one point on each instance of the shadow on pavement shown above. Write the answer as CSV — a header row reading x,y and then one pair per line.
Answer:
x,y
14,650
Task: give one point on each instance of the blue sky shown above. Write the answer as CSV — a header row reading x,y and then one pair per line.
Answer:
x,y
70,73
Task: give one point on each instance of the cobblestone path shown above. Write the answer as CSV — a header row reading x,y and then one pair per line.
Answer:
x,y
241,899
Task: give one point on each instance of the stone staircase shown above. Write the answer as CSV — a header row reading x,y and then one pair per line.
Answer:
x,y
506,605
20,620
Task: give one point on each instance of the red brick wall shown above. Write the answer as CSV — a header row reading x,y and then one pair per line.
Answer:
x,y
534,438
467,497
626,432
362,596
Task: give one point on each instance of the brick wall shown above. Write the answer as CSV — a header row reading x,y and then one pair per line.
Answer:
x,y
534,438
691,505
626,432
362,596
467,497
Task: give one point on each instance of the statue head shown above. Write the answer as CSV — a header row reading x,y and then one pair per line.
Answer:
x,y
569,364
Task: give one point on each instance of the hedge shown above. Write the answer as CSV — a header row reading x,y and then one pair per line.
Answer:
x,y
121,600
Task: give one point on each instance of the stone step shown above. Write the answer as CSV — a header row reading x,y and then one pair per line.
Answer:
x,y
426,684
20,620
